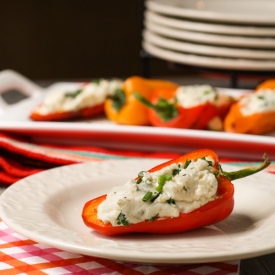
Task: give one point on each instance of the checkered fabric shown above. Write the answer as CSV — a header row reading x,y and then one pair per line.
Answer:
x,y
19,255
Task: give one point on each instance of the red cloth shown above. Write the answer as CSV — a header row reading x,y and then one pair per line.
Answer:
x,y
19,157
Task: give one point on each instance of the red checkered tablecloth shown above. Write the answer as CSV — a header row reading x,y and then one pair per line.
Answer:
x,y
19,255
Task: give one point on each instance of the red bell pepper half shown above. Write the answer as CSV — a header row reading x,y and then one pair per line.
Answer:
x,y
83,113
163,111
210,213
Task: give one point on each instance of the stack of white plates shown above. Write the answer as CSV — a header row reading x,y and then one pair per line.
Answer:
x,y
224,34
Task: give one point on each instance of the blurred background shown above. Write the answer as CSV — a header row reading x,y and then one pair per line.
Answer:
x,y
75,40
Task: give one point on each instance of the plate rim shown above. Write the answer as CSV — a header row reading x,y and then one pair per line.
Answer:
x,y
205,49
157,6
208,27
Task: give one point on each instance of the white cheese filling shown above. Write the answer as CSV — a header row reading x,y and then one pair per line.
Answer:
x,y
194,95
258,102
91,94
188,189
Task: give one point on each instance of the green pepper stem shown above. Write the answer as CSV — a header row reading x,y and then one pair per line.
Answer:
x,y
163,108
245,172
145,101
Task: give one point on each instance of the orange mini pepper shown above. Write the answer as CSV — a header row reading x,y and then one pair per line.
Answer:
x,y
124,108
267,84
257,123
212,212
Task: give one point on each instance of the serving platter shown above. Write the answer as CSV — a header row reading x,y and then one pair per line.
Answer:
x,y
101,132
46,207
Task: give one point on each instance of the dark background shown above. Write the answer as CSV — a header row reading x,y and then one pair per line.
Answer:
x,y
84,39
73,39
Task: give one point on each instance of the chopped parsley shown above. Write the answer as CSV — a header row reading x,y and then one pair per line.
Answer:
x,y
140,176
209,161
186,164
171,201
153,218
73,94
121,219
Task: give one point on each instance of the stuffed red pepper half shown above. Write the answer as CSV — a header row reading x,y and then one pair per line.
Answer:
x,y
191,107
185,193
82,103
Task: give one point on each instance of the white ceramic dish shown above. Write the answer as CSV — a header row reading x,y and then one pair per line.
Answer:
x,y
101,132
208,61
212,39
252,12
47,207
215,28
208,50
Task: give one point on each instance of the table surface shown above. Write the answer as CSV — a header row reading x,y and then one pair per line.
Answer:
x,y
263,265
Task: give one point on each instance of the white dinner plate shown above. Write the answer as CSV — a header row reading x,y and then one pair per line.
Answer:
x,y
103,133
208,50
212,39
47,208
252,12
208,61
216,28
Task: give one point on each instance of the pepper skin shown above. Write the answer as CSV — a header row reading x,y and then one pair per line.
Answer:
x,y
86,112
258,123
173,115
124,108
210,213
267,84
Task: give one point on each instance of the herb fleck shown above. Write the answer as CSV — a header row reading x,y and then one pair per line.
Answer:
x,y
121,219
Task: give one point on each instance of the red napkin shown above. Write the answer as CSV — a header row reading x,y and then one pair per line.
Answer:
x,y
19,157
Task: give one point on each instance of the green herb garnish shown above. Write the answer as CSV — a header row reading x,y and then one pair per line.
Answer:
x,y
147,196
161,181
153,218
118,99
171,201
121,219
186,164
73,94
163,108
209,161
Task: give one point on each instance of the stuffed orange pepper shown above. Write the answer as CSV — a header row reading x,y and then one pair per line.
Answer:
x,y
190,107
84,102
123,108
254,113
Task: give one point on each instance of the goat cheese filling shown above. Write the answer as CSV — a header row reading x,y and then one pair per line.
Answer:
x,y
193,95
91,94
260,102
177,188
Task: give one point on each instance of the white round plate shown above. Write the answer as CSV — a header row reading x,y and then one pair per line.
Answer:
x,y
252,12
213,39
179,23
209,50
208,61
47,206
